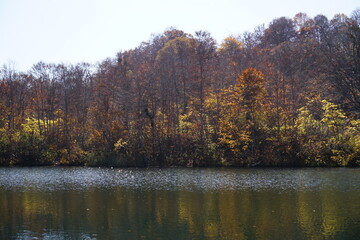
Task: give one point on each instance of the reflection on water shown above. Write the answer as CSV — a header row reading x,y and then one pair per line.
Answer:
x,y
90,203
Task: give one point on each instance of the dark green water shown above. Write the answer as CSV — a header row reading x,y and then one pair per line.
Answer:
x,y
90,203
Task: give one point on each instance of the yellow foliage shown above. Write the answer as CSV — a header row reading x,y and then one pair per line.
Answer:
x,y
120,144
233,127
177,46
35,126
327,133
230,44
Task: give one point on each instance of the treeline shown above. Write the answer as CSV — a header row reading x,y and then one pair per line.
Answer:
x,y
284,95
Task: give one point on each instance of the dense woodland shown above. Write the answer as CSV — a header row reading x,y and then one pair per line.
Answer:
x,y
283,95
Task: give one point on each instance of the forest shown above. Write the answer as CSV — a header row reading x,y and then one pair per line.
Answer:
x,y
286,94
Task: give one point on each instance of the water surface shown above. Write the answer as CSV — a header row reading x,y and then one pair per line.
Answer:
x,y
177,203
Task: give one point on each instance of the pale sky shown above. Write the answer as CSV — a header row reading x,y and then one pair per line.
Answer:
x,y
72,31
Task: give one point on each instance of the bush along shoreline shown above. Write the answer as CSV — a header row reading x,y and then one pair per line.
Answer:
x,y
321,135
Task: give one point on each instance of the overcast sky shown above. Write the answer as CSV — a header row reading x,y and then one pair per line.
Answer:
x,y
72,31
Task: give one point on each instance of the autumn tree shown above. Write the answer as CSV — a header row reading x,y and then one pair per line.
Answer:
x,y
231,59
326,136
342,56
280,30
205,53
14,98
180,99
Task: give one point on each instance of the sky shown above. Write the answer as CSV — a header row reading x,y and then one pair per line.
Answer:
x,y
72,31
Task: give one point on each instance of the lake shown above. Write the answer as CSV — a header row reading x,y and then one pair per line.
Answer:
x,y
179,203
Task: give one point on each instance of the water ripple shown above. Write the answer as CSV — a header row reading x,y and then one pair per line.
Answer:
x,y
78,178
